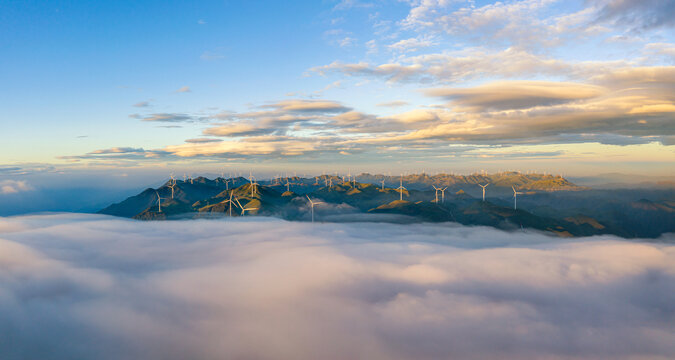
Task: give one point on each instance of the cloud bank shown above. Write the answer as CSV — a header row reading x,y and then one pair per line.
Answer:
x,y
88,286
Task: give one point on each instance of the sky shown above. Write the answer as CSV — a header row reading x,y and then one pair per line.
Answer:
x,y
82,286
127,88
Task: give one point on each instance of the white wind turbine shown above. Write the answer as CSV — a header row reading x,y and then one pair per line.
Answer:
x,y
443,194
312,203
382,184
172,185
288,185
254,186
159,202
401,188
515,197
230,203
244,209
484,186
436,192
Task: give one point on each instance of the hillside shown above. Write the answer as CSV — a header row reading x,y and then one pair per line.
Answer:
x,y
546,203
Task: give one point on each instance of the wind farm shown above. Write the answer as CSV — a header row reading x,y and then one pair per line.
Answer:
x,y
425,201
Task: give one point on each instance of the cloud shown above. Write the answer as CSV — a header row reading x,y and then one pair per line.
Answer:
x,y
308,106
350,4
142,104
636,15
202,140
166,117
264,145
412,44
118,150
468,64
346,42
666,50
511,23
507,95
269,289
184,89
395,103
117,154
236,129
13,187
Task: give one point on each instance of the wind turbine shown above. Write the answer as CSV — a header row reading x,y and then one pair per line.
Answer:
x,y
172,185
382,184
288,185
515,197
312,203
244,208
230,202
484,186
159,202
436,192
254,186
401,188
443,194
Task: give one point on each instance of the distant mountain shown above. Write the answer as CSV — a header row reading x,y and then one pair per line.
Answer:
x,y
547,203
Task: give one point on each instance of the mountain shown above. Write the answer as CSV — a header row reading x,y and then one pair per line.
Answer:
x,y
547,203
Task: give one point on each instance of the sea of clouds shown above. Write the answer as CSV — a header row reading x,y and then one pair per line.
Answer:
x,y
76,286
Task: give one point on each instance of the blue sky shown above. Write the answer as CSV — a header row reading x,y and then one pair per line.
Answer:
x,y
579,87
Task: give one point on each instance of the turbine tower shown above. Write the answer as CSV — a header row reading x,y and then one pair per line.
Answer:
x,y
230,203
484,186
436,192
159,202
254,187
312,203
172,185
515,197
382,184
443,194
401,188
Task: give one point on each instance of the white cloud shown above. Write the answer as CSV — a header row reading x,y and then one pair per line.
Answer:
x,y
86,286
412,44
13,186
184,89
346,41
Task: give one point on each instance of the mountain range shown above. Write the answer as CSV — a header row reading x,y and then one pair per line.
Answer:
x,y
545,202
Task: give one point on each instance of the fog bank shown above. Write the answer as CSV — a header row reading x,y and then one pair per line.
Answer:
x,y
90,286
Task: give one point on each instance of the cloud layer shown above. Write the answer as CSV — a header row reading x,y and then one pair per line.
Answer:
x,y
86,286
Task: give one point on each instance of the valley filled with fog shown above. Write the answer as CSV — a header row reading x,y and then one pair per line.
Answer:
x,y
94,286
